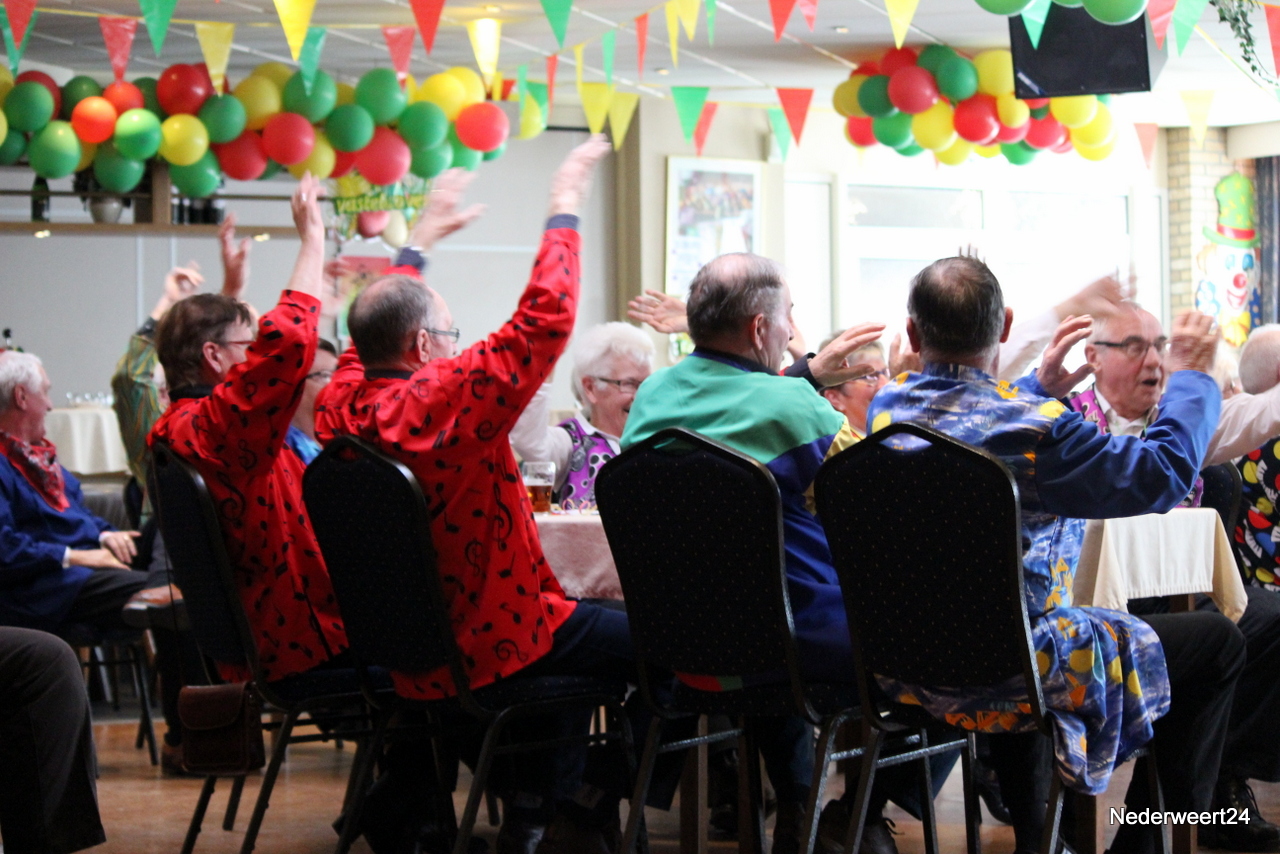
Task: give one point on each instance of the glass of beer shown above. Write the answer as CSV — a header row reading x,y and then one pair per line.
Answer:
x,y
539,478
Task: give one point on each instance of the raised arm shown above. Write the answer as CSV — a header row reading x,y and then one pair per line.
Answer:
x,y
235,258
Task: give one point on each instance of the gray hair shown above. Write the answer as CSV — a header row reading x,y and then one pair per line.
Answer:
x,y
1101,325
17,369
1259,358
957,306
386,316
599,343
729,290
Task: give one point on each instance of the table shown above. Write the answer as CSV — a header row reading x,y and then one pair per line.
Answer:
x,y
578,553
87,439
1182,551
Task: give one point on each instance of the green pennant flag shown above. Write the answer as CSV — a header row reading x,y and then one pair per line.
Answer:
x,y
1033,18
156,14
781,130
557,12
606,53
522,84
711,21
1185,17
13,51
309,56
539,93
689,101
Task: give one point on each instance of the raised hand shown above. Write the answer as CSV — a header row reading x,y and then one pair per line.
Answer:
x,y
441,216
306,209
830,366
1055,379
663,312
1193,343
903,357
179,283
235,258
571,182
1097,299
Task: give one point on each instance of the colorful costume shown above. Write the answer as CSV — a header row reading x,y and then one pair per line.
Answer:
x,y
1256,532
137,403
576,447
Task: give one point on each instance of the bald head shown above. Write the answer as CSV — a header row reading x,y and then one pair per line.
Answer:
x,y
1124,315
957,309
1260,359
730,289
385,318
1126,349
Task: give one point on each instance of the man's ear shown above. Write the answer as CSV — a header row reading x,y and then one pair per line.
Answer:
x,y
1008,324
212,355
756,329
21,397
913,334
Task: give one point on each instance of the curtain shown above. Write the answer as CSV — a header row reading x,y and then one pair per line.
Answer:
x,y
1267,183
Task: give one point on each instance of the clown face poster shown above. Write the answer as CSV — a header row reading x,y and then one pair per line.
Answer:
x,y
1227,265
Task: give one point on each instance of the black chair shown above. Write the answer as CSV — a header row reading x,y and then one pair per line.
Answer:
x,y
372,522
696,532
108,649
1223,487
202,569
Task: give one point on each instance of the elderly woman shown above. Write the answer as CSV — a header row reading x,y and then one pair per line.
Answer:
x,y
609,363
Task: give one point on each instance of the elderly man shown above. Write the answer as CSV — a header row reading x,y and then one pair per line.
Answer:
x,y
1067,471
852,397
1126,352
301,438
1258,529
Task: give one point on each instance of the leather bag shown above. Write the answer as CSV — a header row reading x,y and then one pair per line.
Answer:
x,y
221,729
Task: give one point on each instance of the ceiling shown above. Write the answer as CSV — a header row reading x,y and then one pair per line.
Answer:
x,y
743,65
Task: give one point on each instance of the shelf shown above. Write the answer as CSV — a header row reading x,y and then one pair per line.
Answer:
x,y
142,229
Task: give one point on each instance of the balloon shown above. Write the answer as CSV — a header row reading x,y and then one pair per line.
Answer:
x,y
910,150
496,153
446,92
1013,134
845,97
4,126
893,131
935,128
261,100
995,72
1066,146
531,119
87,151
1099,152
385,159
346,94
379,92
183,140
912,89
396,233
430,162
472,84
423,125
933,56
1070,4
1097,132
6,82
138,134
114,171
987,151
273,168
183,89
54,151
1012,112
976,119
955,154
147,86
1018,153
48,83
288,138
1045,133
94,119
12,147
224,117
1040,112
243,158
958,79
277,72
29,106
860,130
198,179
350,127
316,105
343,162
482,126
895,59
371,223
124,96
463,157
870,68
203,70
1075,110
319,162
1115,12
873,97
1037,103
77,89
1005,7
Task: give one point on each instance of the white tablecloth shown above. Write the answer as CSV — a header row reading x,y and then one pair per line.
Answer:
x,y
1183,551
87,439
578,553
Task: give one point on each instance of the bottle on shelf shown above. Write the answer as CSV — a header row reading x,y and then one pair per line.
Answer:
x,y
40,200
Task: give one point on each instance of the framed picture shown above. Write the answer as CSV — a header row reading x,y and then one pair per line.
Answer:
x,y
712,208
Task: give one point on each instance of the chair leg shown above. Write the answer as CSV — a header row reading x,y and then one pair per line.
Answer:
x,y
233,803
1185,836
972,814
616,717
694,817
750,799
197,817
873,741
479,781
928,817
367,752
641,791
1053,816
491,806
141,680
1089,839
818,785
269,781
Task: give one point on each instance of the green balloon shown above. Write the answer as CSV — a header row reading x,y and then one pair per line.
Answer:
x,y
12,148
54,151
423,125
198,180
138,134
957,78
1018,153
1105,98
1004,7
379,92
463,157
29,106
224,117
272,169
349,128
430,162
77,89
893,131
1040,112
873,97
910,150
1115,12
114,171
932,57
317,105
496,153
147,85
1070,4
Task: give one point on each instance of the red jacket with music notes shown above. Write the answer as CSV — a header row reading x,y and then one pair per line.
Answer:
x,y
448,422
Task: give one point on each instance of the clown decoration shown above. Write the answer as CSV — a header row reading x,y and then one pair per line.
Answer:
x,y
1228,265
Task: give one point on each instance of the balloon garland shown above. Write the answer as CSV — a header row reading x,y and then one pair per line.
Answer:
x,y
953,106
1113,12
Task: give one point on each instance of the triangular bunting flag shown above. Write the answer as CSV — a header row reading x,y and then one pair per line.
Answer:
x,y
642,41
780,10
607,46
117,35
522,83
486,43
427,14
1033,18
1273,28
704,125
557,12
595,104
1160,14
1197,102
687,12
621,109
508,88
809,8
295,17
19,14
400,45
900,14
156,14
781,130
1147,134
673,31
689,101
309,57
795,103
540,93
15,51
1185,17
552,62
215,46
577,65
711,22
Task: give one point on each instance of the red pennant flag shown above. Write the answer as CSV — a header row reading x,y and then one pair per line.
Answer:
x,y
809,8
795,103
552,61
427,14
1147,134
781,11
507,86
400,46
1273,28
704,125
117,35
1160,14
19,12
642,40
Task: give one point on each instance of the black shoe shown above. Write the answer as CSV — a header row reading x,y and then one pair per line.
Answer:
x,y
833,826
519,837
565,836
786,830
989,790
1250,831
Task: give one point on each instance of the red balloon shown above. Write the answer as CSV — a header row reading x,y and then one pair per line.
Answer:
x,y
124,96
94,119
343,162
482,127
912,89
1036,103
372,223
869,68
859,130
47,82
895,58
1064,147
976,119
1046,133
288,138
243,158
204,71
1018,134
385,159
183,89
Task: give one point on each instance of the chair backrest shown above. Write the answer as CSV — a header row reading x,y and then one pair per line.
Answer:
x,y
926,536
696,533
1222,491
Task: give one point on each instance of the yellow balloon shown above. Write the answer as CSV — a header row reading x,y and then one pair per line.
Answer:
x,y
6,83
1097,152
1013,112
183,140
531,121
472,84
1074,110
346,94
87,150
260,98
957,153
845,98
410,87
988,150
277,72
396,232
319,162
1097,132
4,123
446,92
935,128
995,72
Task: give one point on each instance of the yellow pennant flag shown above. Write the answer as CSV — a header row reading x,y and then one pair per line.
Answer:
x,y
673,31
486,40
687,12
215,46
595,103
577,66
900,14
295,17
1197,102
621,109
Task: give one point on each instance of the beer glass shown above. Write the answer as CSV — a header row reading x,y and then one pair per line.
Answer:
x,y
539,478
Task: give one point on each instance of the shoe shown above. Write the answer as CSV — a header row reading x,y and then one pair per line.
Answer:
x,y
171,761
154,606
519,837
988,785
833,825
1250,831
787,829
565,836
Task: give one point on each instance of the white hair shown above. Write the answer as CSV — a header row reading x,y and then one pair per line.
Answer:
x,y
1259,358
599,343
17,369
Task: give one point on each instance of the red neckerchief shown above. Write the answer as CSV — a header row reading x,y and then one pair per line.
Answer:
x,y
39,465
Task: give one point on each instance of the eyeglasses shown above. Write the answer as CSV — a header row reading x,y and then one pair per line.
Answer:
x,y
325,376
1135,347
873,377
455,333
623,385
